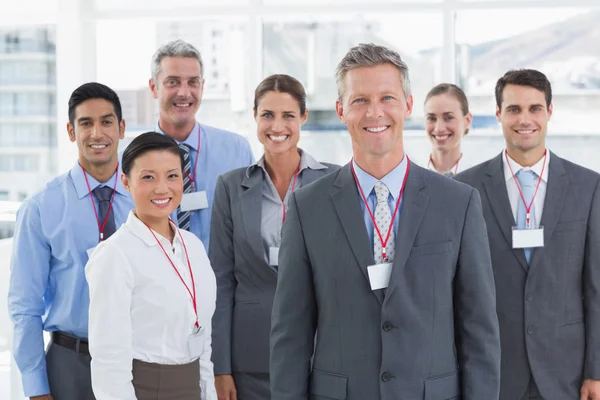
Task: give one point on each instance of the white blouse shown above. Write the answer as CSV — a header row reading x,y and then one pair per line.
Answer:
x,y
140,308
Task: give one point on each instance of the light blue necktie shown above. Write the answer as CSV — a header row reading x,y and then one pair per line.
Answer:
x,y
527,182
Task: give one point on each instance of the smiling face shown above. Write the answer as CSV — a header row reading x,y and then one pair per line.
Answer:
x,y
374,108
97,131
445,123
278,122
178,88
524,118
155,183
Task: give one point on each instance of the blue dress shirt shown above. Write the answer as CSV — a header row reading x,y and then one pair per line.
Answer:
x,y
48,290
220,152
393,180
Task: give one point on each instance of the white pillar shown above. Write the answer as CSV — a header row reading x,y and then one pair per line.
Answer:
x,y
75,65
448,59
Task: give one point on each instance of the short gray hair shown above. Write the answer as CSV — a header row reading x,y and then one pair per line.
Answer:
x,y
370,55
175,48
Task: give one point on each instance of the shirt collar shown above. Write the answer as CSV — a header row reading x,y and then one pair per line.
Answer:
x,y
306,161
516,167
139,229
393,180
77,175
191,140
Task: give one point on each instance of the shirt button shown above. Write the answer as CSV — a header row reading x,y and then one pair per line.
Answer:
x,y
386,376
529,330
387,326
529,297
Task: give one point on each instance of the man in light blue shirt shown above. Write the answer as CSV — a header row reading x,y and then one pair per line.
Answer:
x,y
177,82
56,230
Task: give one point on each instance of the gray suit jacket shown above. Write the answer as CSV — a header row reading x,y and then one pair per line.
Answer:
x,y
245,280
433,335
549,311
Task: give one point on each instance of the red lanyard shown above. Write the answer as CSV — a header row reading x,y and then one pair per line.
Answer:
x,y
193,296
455,166
527,207
112,198
193,171
293,187
383,242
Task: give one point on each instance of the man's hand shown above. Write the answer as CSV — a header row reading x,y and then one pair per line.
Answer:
x,y
590,390
226,387
42,397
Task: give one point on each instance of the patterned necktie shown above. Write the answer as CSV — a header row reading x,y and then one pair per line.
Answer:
x,y
449,174
383,219
183,217
527,182
104,195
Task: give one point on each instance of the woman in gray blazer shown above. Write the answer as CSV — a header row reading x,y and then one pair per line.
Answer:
x,y
248,213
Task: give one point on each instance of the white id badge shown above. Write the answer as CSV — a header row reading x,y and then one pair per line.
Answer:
x,y
194,201
526,238
90,251
196,344
379,275
274,256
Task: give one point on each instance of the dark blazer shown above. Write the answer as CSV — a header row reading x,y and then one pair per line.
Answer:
x,y
433,335
245,280
549,311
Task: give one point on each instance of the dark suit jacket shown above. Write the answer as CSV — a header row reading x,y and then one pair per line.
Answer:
x,y
434,333
549,311
245,280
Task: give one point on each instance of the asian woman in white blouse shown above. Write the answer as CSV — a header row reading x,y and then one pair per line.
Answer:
x,y
152,290
447,121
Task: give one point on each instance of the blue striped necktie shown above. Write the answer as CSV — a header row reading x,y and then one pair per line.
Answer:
x,y
183,217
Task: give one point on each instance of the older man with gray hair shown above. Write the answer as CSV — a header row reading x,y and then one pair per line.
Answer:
x,y
388,261
178,83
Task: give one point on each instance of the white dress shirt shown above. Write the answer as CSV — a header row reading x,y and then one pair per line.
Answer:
x,y
140,309
457,168
513,192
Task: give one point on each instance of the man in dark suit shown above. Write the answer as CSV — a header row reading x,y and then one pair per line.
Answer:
x,y
387,262
543,222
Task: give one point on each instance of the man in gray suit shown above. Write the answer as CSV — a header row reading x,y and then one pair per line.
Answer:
x,y
543,221
389,262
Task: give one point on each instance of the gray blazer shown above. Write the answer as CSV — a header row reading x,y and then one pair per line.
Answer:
x,y
245,280
433,335
549,311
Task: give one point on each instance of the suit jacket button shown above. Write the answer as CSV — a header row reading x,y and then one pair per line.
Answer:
x,y
529,297
529,330
386,376
387,326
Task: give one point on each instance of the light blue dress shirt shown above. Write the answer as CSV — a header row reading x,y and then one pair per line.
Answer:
x,y
220,152
48,290
393,180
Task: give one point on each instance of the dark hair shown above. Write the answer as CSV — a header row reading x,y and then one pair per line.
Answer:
x,y
149,141
524,77
452,90
93,90
284,84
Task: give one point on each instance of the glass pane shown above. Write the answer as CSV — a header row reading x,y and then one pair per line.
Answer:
x,y
325,2
310,49
104,5
562,43
222,44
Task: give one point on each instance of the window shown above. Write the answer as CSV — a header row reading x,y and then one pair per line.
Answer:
x,y
560,42
309,49
222,87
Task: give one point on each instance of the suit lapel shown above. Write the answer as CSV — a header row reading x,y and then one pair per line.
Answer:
x,y
495,189
311,175
556,194
414,204
251,201
347,204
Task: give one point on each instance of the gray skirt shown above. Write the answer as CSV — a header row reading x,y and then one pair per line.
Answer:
x,y
166,382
